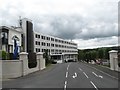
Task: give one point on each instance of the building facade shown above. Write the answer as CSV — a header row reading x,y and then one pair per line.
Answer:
x,y
59,49
8,35
30,41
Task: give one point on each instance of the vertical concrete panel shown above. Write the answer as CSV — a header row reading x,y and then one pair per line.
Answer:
x,y
113,62
24,58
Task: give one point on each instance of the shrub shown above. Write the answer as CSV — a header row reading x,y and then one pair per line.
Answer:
x,y
4,55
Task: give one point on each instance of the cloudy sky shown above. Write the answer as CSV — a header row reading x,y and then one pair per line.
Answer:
x,y
90,23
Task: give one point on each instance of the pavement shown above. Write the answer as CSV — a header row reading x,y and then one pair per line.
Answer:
x,y
67,76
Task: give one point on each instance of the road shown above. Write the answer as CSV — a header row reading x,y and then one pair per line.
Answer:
x,y
65,75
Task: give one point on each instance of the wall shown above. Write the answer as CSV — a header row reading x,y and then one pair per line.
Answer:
x,y
11,68
18,68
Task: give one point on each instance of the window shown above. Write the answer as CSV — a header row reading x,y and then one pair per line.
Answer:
x,y
48,44
48,38
36,42
52,39
56,40
56,45
43,37
43,44
38,36
52,45
37,50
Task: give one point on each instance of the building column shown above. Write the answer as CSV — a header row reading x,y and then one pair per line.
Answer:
x,y
41,60
24,59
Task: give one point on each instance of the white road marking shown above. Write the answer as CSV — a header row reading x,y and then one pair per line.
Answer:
x,y
65,82
66,74
75,75
103,72
85,74
68,66
80,69
95,74
100,76
93,85
65,85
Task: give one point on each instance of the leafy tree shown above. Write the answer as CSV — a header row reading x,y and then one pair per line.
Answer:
x,y
107,53
100,53
46,56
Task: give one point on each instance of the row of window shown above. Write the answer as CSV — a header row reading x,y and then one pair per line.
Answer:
x,y
54,45
52,39
53,50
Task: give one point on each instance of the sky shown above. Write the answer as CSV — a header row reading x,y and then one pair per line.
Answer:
x,y
89,23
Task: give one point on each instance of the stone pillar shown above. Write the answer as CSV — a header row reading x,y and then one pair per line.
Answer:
x,y
24,58
113,61
41,60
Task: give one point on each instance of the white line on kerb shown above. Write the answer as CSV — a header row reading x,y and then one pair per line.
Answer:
x,y
93,85
85,74
80,69
66,74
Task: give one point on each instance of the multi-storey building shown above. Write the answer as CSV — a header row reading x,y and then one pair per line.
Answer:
x,y
30,41
59,49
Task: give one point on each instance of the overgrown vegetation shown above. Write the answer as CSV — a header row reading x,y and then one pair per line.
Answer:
x,y
95,54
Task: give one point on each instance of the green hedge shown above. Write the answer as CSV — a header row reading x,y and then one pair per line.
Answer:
x,y
4,55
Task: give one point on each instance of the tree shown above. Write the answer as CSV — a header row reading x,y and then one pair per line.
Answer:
x,y
80,55
46,56
107,53
100,53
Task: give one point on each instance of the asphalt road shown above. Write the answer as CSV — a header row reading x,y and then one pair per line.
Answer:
x,y
65,75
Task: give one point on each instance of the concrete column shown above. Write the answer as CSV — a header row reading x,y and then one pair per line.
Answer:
x,y
113,61
41,60
24,58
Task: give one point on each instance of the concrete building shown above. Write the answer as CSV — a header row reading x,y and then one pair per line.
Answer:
x,y
8,34
59,49
31,41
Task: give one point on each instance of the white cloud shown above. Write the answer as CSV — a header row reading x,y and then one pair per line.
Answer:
x,y
85,21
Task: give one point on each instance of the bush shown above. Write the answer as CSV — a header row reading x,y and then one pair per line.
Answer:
x,y
4,55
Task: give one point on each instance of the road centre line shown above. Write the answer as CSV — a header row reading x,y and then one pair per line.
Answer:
x,y
103,72
93,85
68,66
86,75
66,74
65,85
65,82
